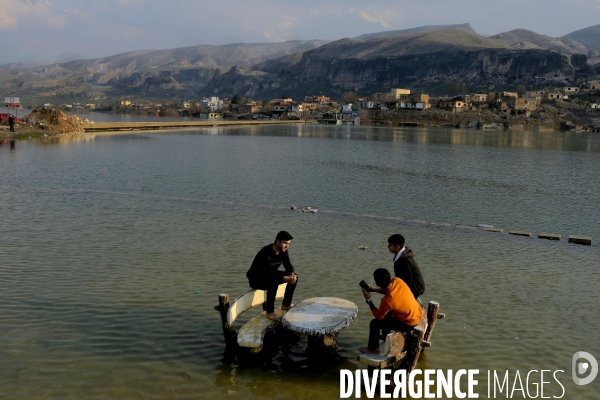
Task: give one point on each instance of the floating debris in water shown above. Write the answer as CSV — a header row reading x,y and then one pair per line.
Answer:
x,y
304,210
364,247
197,292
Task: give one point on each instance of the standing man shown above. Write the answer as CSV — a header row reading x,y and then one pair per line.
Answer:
x,y
405,266
264,273
11,122
397,311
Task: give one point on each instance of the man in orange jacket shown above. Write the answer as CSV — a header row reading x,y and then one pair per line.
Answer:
x,y
398,310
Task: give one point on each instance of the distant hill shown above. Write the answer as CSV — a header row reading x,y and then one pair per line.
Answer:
x,y
419,29
525,39
416,60
104,70
414,43
589,37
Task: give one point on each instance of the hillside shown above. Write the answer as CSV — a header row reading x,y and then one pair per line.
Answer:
x,y
5,76
120,66
419,29
589,37
401,45
525,39
420,60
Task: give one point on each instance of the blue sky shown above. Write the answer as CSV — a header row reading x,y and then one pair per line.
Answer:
x,y
61,30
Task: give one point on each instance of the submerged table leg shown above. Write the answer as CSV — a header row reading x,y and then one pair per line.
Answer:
x,y
323,345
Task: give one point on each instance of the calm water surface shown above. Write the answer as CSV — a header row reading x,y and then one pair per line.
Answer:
x,y
114,248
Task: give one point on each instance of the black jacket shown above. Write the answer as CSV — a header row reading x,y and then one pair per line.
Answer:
x,y
407,269
266,263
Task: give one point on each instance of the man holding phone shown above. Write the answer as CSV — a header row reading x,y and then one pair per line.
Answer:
x,y
398,310
264,273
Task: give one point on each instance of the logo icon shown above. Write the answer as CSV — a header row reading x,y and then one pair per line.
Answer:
x,y
581,367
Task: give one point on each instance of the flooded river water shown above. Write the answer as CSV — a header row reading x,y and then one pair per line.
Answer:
x,y
114,249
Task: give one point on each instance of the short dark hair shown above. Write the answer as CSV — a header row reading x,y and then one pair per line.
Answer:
x,y
382,277
283,235
396,240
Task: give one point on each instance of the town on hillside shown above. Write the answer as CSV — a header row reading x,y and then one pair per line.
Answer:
x,y
565,108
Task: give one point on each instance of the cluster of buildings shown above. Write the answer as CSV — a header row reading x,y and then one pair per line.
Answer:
x,y
512,102
322,107
505,102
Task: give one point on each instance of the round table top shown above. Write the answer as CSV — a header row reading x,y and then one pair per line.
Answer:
x,y
320,316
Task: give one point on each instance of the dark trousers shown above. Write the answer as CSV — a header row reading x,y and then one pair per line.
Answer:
x,y
12,127
270,284
387,324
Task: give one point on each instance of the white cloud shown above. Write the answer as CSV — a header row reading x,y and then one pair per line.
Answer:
x,y
11,11
384,18
282,30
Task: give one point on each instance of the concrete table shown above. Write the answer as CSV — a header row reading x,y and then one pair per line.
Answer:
x,y
321,318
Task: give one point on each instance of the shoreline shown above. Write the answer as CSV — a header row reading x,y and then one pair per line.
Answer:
x,y
26,132
130,126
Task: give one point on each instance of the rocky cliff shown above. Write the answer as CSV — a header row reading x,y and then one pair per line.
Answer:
x,y
412,60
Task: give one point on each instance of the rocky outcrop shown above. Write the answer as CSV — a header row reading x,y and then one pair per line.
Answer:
x,y
56,121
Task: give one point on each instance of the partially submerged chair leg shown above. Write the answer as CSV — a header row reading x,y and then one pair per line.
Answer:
x,y
229,332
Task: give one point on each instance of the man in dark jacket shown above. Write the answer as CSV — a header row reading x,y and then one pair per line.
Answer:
x,y
11,122
405,266
264,273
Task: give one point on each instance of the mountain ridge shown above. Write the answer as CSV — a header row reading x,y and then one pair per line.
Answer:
x,y
416,57
418,29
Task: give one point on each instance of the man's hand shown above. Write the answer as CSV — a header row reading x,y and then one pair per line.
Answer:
x,y
375,289
366,294
291,278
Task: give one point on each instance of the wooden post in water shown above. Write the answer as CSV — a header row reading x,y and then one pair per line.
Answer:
x,y
413,349
432,317
228,331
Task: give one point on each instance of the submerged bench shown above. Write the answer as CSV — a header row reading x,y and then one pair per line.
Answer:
x,y
251,335
402,350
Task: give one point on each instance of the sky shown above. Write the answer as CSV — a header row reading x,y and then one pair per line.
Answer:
x,y
64,30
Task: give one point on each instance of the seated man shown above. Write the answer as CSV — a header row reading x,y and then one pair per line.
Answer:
x,y
398,311
264,273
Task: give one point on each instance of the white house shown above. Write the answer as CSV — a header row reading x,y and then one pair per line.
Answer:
x,y
212,103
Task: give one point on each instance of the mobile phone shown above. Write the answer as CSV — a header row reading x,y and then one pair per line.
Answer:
x,y
364,285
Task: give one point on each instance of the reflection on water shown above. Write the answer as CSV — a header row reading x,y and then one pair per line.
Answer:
x,y
114,117
572,141
114,249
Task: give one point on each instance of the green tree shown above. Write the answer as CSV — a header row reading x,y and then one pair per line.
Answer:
x,y
521,90
237,99
350,97
458,88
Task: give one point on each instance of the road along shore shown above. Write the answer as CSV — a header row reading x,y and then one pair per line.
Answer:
x,y
145,126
